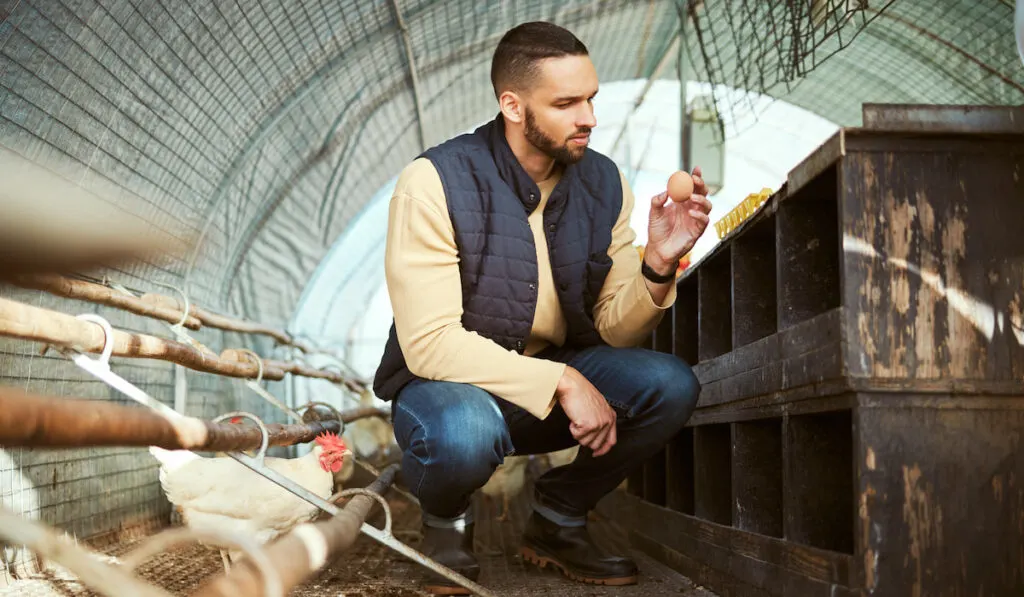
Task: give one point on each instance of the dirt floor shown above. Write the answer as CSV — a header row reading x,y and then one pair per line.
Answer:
x,y
369,569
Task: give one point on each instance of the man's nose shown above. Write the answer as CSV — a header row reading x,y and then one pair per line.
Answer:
x,y
586,119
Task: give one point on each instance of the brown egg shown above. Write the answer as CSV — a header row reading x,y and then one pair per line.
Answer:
x,y
680,186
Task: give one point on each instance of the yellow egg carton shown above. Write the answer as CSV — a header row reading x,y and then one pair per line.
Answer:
x,y
741,212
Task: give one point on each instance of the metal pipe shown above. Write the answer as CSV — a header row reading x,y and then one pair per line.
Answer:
x,y
33,420
298,555
413,73
664,60
18,320
216,320
107,579
104,295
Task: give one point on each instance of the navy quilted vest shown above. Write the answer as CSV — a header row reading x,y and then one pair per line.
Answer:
x,y
489,198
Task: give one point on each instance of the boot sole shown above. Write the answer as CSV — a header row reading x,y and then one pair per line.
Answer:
x,y
542,562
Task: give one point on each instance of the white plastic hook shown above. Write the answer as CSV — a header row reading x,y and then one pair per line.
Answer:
x,y
255,358
108,336
337,414
100,368
264,441
188,306
255,386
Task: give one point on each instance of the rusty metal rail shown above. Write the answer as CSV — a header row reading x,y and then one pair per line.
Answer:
x,y
18,320
84,290
45,421
157,306
297,556
48,543
223,322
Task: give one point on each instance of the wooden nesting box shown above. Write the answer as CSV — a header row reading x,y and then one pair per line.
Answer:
x,y
860,343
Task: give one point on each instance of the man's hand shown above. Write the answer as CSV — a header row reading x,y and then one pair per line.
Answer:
x,y
592,421
674,228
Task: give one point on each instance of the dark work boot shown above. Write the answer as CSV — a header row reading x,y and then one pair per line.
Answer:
x,y
452,547
571,550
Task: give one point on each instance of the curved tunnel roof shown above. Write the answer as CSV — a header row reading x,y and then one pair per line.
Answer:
x,y
263,127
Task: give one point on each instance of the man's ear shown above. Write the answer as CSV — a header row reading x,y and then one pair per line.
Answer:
x,y
512,107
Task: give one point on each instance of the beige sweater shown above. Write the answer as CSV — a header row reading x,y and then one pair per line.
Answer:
x,y
422,273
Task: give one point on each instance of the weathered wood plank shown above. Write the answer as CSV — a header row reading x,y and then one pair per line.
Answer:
x,y
803,338
785,372
762,562
941,500
934,275
811,399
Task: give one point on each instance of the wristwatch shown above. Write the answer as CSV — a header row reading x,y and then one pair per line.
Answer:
x,y
654,276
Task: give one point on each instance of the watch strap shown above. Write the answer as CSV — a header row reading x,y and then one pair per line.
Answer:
x,y
649,273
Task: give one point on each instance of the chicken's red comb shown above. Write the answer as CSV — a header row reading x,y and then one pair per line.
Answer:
x,y
331,441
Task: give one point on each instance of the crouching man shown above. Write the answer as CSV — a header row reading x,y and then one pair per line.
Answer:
x,y
518,300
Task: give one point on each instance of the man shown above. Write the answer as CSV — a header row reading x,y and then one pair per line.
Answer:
x,y
518,298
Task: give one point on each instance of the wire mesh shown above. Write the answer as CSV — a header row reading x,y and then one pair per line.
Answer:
x,y
264,128
830,56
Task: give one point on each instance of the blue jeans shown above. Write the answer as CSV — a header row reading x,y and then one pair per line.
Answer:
x,y
454,435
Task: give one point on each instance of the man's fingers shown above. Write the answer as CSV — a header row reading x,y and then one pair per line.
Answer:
x,y
700,216
599,441
609,442
604,444
700,202
586,437
697,171
658,201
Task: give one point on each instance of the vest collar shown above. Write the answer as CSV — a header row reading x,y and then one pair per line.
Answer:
x,y
509,168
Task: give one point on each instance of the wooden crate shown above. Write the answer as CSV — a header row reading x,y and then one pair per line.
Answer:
x,y
860,343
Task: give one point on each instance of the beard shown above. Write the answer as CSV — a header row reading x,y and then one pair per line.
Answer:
x,y
561,153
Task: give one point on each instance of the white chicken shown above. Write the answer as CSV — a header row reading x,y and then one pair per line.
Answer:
x,y
506,481
221,494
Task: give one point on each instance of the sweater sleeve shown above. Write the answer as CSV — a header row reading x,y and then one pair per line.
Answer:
x,y
625,312
421,267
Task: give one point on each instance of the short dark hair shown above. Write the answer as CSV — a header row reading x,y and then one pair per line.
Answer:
x,y
515,59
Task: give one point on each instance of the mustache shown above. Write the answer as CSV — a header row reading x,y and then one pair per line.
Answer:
x,y
582,131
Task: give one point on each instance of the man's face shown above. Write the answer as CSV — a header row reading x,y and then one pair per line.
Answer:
x,y
559,108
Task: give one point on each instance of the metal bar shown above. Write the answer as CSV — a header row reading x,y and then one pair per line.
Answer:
x,y
683,70
662,61
386,539
89,567
54,422
943,119
97,293
413,73
101,368
221,322
18,320
297,556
